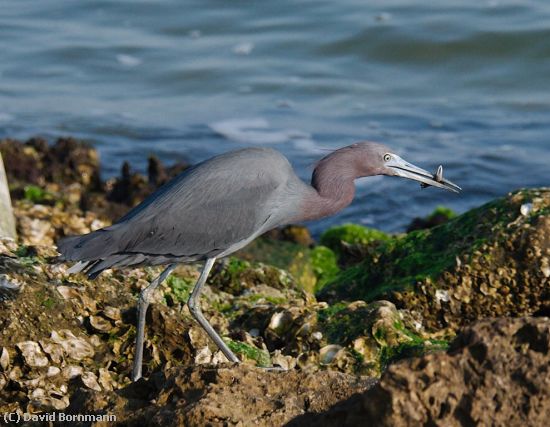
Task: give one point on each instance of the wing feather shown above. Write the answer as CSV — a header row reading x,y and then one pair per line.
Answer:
x,y
204,210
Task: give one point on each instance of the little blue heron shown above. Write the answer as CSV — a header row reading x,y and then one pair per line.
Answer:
x,y
220,205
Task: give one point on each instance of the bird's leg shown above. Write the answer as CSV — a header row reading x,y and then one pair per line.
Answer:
x,y
143,304
195,309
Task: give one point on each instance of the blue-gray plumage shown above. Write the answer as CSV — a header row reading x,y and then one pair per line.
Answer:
x,y
202,213
218,206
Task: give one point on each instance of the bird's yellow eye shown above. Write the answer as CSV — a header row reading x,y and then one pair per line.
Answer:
x,y
387,157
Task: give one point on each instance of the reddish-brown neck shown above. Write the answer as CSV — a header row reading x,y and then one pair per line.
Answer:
x,y
333,186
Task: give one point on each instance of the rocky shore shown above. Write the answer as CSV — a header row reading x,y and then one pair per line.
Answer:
x,y
443,325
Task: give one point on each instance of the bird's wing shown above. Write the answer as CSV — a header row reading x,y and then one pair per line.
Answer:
x,y
204,211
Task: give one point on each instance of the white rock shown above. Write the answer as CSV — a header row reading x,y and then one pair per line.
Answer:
x,y
90,380
32,354
203,356
4,359
53,371
442,295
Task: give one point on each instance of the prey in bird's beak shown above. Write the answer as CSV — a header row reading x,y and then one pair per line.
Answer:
x,y
401,168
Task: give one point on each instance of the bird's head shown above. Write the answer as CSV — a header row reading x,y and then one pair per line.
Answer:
x,y
377,159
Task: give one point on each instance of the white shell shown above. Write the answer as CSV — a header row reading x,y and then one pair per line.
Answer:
x,y
328,353
526,208
32,354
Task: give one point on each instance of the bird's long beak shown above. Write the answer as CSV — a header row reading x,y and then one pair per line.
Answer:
x,y
404,169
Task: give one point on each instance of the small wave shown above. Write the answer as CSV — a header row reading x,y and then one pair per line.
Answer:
x,y
258,131
243,48
5,117
128,60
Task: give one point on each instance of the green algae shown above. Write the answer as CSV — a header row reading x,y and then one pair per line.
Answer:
x,y
392,354
340,325
291,257
254,298
27,256
352,234
311,268
48,303
400,262
180,288
237,275
442,211
325,265
261,357
35,194
384,336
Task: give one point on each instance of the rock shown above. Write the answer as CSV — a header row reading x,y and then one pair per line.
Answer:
x,y
89,379
53,371
239,395
328,353
4,359
490,261
7,221
65,162
292,233
439,216
9,288
73,347
100,324
497,372
32,354
72,371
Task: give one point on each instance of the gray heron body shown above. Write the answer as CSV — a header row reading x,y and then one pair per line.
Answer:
x,y
220,205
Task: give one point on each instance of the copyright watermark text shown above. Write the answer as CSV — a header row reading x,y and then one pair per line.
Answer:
x,y
16,417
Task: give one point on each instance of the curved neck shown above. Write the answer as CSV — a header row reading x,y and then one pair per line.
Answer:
x,y
332,189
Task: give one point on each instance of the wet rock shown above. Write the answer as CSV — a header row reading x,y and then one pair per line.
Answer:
x,y
292,233
439,216
199,395
309,267
130,188
489,261
262,304
496,372
7,221
36,162
352,242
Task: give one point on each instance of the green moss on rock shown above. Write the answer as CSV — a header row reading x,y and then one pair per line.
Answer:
x,y
261,357
352,234
443,269
373,334
442,211
325,265
179,288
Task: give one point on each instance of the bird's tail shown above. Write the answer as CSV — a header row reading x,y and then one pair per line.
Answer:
x,y
95,252
87,247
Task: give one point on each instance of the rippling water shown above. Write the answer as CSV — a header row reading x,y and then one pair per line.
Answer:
x,y
465,84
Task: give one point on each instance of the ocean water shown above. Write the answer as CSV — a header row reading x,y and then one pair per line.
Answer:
x,y
464,84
